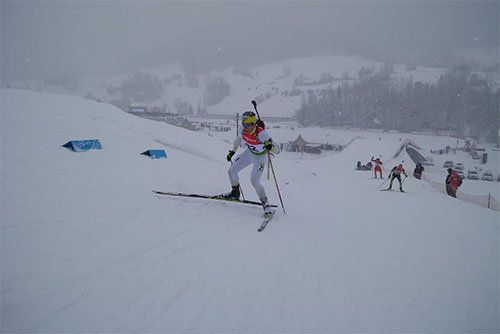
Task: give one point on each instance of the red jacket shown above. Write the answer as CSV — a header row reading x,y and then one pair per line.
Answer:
x,y
377,162
453,180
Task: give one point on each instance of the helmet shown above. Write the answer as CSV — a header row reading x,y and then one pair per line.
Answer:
x,y
248,117
449,170
400,166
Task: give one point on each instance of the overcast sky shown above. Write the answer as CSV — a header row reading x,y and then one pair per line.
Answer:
x,y
41,39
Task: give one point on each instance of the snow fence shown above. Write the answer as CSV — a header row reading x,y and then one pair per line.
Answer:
x,y
485,201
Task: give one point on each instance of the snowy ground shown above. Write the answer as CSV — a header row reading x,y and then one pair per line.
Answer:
x,y
86,246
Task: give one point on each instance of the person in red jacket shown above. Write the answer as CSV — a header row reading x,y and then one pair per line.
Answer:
x,y
453,181
378,167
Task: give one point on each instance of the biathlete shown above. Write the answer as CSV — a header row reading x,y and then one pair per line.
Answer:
x,y
378,167
396,174
258,143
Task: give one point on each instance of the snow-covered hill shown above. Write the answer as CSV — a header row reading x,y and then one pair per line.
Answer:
x,y
87,247
277,86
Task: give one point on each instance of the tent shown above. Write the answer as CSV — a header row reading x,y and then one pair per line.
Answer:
x,y
298,145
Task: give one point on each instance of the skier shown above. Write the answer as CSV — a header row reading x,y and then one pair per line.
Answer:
x,y
258,143
453,181
396,174
417,172
378,167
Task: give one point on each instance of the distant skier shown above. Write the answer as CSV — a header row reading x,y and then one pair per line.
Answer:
x,y
396,174
453,181
417,172
258,143
378,167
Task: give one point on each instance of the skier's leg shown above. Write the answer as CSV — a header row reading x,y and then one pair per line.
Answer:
x,y
400,183
241,161
259,163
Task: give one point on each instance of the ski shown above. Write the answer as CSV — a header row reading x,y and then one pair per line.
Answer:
x,y
213,197
267,219
404,192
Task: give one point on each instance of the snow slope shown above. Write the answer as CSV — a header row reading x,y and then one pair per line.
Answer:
x,y
86,246
268,83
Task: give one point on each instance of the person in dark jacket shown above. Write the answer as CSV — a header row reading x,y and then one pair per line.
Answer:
x,y
396,174
453,181
417,172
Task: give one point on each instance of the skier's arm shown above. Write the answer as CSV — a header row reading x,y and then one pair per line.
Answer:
x,y
265,138
238,140
236,144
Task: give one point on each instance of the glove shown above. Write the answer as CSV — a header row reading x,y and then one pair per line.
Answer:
x,y
230,155
260,124
268,145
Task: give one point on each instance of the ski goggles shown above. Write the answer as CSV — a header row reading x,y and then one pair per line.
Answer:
x,y
246,125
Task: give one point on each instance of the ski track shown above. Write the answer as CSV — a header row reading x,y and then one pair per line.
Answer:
x,y
87,247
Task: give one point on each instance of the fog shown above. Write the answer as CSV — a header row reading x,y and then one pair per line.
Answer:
x,y
43,39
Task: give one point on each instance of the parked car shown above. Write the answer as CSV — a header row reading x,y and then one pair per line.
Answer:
x,y
473,175
448,164
459,166
461,174
487,176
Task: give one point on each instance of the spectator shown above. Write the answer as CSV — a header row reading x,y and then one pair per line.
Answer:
x,y
453,181
417,172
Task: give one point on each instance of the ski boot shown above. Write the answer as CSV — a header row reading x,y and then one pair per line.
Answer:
x,y
233,194
401,189
268,210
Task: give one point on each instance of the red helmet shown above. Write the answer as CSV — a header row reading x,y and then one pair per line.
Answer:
x,y
400,166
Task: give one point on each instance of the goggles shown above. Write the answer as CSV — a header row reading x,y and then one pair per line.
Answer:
x,y
246,125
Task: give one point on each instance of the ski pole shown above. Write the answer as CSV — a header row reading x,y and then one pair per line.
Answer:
x,y
276,182
270,163
268,167
383,183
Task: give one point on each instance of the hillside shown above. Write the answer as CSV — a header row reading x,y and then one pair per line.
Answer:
x,y
87,247
276,86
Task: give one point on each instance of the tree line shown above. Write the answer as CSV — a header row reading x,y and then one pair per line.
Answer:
x,y
460,101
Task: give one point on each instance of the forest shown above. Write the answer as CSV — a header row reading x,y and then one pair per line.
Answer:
x,y
460,101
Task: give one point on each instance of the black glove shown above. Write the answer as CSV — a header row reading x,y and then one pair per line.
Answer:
x,y
230,155
268,145
260,124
